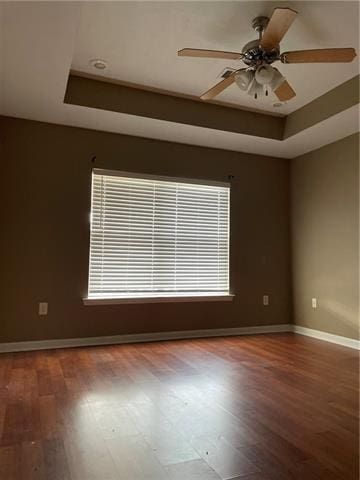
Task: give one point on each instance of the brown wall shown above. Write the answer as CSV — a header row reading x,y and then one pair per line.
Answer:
x,y
334,101
325,237
45,189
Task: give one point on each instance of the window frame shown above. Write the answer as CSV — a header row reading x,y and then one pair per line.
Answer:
x,y
161,297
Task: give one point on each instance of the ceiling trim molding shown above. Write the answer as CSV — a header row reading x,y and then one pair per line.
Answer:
x,y
115,97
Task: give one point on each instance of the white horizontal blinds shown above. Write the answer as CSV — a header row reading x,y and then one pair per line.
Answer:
x,y
151,236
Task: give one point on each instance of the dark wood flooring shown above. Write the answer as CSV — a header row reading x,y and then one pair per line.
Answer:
x,y
265,407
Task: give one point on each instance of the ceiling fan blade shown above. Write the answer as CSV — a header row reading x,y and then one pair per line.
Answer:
x,y
279,23
198,52
219,87
324,55
285,92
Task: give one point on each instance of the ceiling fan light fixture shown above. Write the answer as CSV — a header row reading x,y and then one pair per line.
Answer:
x,y
256,90
264,74
277,79
244,78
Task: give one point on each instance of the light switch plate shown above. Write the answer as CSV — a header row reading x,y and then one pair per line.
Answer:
x,y
266,300
314,303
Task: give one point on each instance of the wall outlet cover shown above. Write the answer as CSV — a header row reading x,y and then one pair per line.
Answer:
x,y
43,308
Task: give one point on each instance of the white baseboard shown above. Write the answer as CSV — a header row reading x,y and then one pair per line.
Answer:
x,y
327,337
158,336
141,337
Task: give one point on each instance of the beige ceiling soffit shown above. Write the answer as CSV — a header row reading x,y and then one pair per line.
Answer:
x,y
103,95
331,103
116,81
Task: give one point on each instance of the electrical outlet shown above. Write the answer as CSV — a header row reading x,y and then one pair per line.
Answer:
x,y
314,303
43,308
266,300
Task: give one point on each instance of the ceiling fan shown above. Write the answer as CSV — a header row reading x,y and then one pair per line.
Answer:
x,y
259,77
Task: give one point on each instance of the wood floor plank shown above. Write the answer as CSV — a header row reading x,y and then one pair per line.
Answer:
x,y
170,447
10,462
55,460
88,457
135,459
192,470
32,462
221,456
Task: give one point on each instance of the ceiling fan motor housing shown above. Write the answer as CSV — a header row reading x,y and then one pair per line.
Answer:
x,y
255,55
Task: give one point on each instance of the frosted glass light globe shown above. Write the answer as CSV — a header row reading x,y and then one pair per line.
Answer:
x,y
264,74
243,79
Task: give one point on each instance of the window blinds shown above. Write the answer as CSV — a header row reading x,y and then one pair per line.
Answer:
x,y
152,237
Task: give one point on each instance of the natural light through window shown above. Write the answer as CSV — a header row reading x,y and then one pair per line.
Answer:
x,y
157,237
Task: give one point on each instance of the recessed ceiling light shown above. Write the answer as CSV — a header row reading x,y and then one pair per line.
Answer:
x,y
98,63
278,104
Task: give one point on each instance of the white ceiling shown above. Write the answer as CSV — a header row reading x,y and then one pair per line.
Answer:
x,y
140,40
38,41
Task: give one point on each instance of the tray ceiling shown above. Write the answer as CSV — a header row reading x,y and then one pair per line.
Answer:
x,y
41,41
139,40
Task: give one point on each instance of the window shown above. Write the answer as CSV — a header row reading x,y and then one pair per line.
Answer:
x,y
157,237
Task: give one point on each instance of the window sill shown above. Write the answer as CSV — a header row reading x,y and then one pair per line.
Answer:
x,y
225,297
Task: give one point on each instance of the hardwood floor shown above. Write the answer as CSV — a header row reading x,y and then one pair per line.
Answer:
x,y
265,407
